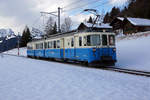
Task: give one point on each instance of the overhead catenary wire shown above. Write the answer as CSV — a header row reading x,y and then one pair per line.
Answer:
x,y
100,5
81,6
78,1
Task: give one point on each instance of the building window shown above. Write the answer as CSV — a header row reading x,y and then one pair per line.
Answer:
x,y
80,41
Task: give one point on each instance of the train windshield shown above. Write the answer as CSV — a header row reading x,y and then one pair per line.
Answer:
x,y
111,40
93,40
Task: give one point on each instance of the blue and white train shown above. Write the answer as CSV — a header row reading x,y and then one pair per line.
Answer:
x,y
88,47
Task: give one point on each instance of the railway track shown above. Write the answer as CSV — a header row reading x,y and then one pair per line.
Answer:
x,y
115,69
128,71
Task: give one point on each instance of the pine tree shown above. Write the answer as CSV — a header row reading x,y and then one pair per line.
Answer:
x,y
106,18
90,20
55,29
26,37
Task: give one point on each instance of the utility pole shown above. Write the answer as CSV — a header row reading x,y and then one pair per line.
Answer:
x,y
18,44
59,20
58,15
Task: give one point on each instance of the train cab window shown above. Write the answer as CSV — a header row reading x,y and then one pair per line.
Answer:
x,y
72,42
104,40
93,40
80,41
58,43
111,40
54,44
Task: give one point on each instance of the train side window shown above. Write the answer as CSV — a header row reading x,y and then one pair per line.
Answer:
x,y
49,44
58,43
36,46
88,40
80,41
72,42
41,46
104,40
85,40
54,44
46,45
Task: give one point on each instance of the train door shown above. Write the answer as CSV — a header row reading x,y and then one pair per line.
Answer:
x,y
75,45
62,52
105,49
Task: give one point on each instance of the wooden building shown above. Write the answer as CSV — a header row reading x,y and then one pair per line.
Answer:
x,y
117,25
130,25
97,27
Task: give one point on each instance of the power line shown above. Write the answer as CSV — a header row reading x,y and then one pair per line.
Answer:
x,y
72,3
81,6
104,3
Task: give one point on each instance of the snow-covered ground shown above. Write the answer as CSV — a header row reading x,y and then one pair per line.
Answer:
x,y
28,79
133,52
22,51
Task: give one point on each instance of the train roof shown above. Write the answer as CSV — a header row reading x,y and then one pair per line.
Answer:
x,y
58,35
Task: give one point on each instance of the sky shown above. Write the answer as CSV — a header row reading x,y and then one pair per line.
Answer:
x,y
16,14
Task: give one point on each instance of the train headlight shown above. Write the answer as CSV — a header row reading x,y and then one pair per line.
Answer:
x,y
94,49
114,49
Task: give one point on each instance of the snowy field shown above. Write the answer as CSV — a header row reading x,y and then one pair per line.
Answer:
x,y
133,52
28,79
22,51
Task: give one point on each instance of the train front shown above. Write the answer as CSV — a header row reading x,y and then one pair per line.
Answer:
x,y
103,49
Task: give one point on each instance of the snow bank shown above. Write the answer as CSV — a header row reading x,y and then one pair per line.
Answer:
x,y
133,52
28,79
22,51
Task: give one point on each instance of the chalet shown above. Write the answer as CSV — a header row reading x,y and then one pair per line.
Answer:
x,y
134,25
130,25
96,27
117,25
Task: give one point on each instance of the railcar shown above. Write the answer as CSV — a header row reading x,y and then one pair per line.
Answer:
x,y
87,47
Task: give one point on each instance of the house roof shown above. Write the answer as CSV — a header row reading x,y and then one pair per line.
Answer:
x,y
134,21
102,25
120,18
139,21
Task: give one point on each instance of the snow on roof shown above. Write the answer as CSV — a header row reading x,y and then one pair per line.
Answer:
x,y
102,25
120,18
139,21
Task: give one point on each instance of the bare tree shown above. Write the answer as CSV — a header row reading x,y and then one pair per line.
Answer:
x,y
49,26
66,26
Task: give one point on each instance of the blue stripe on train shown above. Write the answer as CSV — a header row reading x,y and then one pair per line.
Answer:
x,y
81,54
